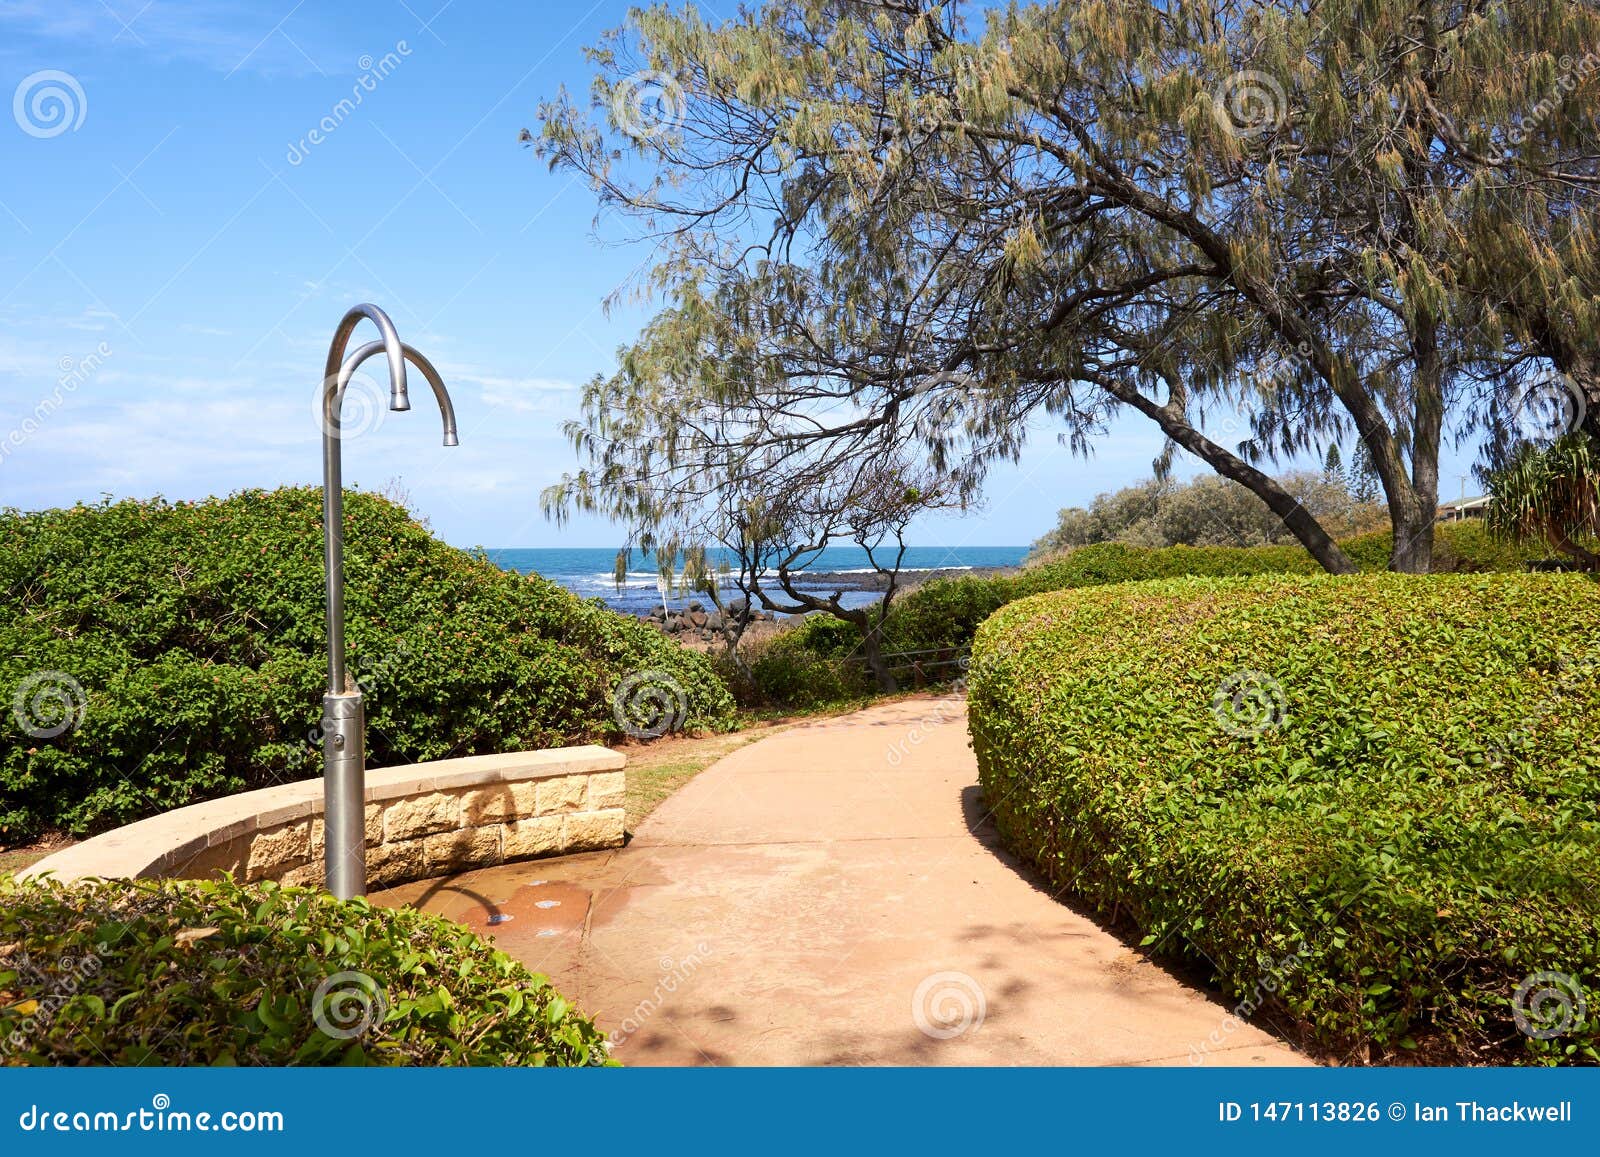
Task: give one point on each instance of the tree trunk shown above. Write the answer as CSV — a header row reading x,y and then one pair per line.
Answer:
x,y
1586,559
1585,375
872,652
1318,543
1413,537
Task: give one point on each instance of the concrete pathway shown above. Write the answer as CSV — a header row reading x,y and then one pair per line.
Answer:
x,y
831,895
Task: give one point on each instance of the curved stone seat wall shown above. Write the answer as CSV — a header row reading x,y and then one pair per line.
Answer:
x,y
424,819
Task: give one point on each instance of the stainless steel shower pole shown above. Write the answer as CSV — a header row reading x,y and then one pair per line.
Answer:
x,y
344,730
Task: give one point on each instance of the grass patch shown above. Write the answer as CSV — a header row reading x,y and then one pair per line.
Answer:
x,y
657,770
15,859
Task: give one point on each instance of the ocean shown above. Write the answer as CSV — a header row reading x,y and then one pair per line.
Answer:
x,y
590,571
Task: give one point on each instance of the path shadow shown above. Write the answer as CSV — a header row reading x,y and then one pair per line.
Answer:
x,y
1194,974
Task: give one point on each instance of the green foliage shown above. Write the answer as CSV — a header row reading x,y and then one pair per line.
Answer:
x,y
172,972
943,615
1114,562
807,667
1373,798
1208,511
195,632
1049,212
1465,547
1551,497
946,612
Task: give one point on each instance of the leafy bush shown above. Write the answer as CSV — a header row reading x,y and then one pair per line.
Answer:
x,y
186,642
942,615
945,613
1209,510
1112,562
183,973
1368,802
791,669
1463,547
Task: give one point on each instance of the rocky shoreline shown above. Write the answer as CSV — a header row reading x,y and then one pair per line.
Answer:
x,y
700,623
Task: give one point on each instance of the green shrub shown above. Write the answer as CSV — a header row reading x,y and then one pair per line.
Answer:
x,y
183,973
787,671
1114,562
187,642
827,636
1463,547
944,613
1378,792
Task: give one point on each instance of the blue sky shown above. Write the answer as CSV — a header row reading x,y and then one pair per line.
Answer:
x,y
176,249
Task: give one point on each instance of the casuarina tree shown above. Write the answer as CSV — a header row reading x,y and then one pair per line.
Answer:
x,y
1267,227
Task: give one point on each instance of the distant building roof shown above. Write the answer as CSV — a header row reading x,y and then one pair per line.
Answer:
x,y
1464,506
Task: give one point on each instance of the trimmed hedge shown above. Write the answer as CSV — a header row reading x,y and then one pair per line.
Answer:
x,y
946,612
184,644
1371,804
184,973
809,668
1114,562
1464,547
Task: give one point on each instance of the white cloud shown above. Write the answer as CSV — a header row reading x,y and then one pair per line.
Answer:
x,y
222,36
520,395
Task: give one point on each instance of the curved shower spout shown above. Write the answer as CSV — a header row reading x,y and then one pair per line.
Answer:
x,y
447,410
343,718
399,399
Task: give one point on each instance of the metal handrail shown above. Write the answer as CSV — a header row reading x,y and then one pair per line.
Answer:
x,y
961,655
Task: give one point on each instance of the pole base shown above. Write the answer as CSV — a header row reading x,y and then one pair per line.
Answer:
x,y
344,734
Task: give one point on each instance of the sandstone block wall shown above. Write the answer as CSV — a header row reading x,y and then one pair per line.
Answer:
x,y
428,819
